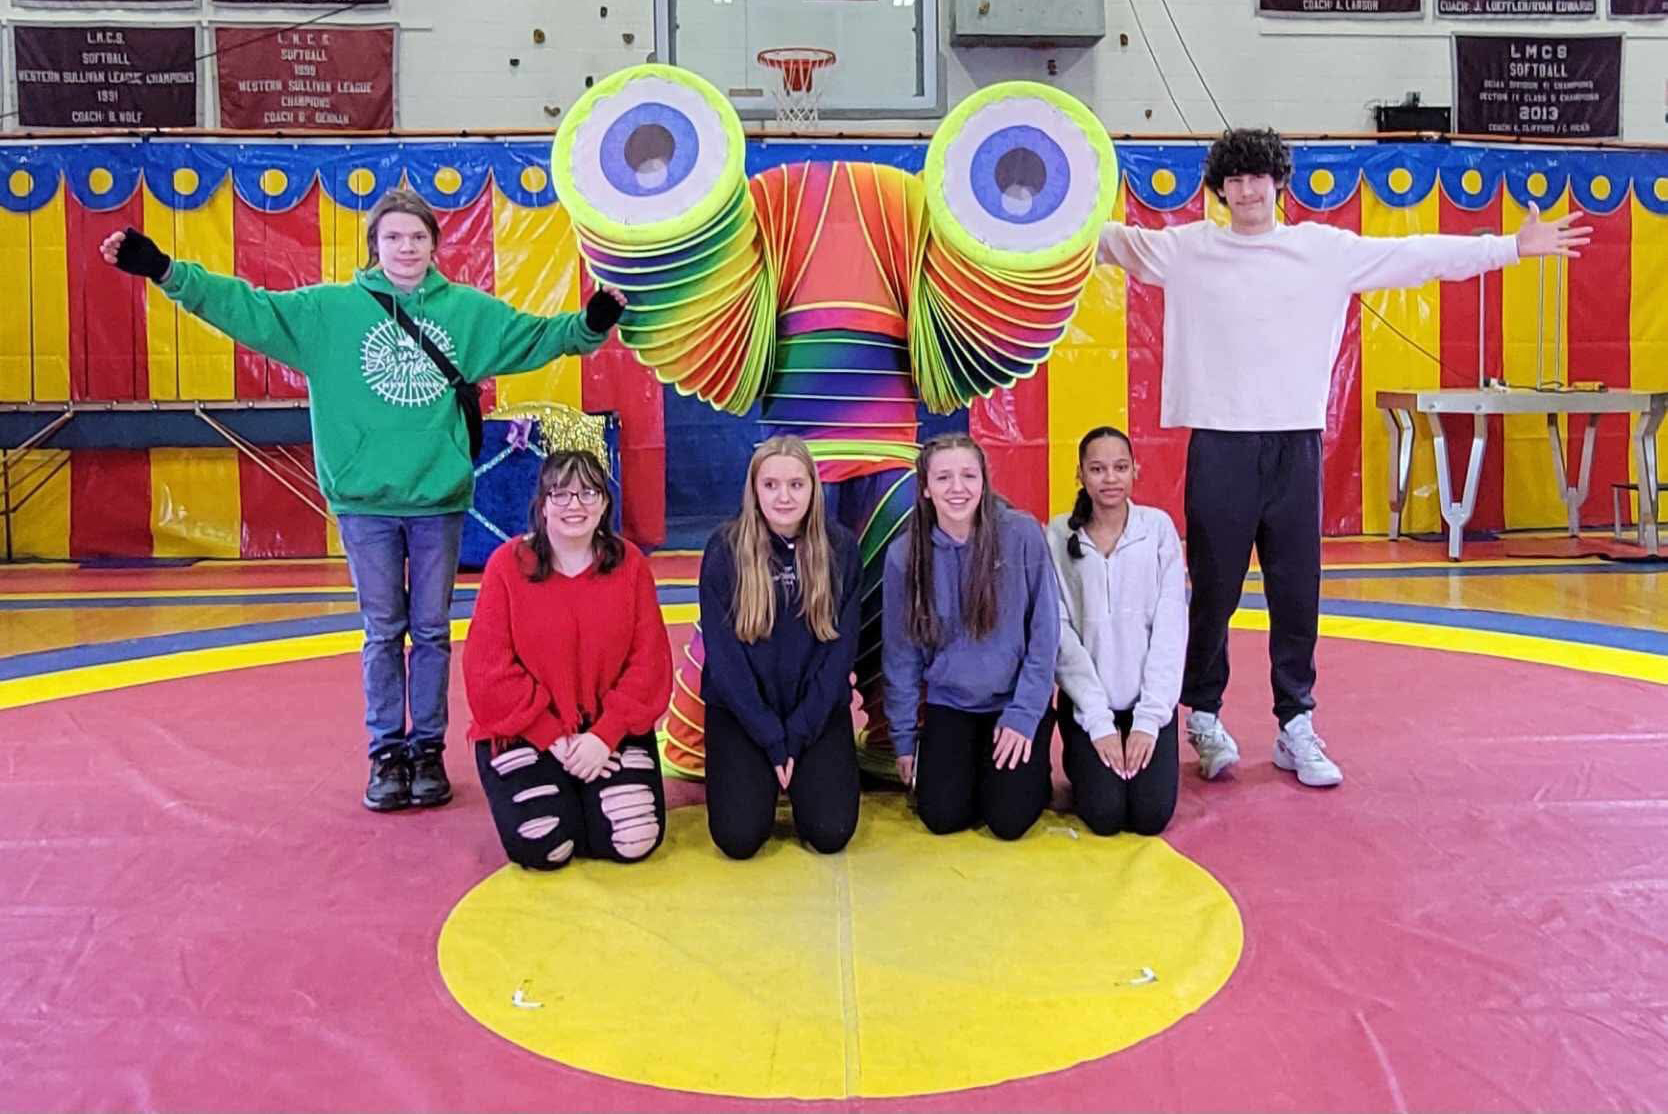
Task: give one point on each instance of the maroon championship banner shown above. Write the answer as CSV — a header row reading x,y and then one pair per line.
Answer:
x,y
1638,9
1518,9
106,77
1539,85
1352,8
330,78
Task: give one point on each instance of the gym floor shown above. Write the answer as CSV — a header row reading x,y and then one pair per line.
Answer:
x,y
199,914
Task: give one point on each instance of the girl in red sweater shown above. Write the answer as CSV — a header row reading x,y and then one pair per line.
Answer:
x,y
568,669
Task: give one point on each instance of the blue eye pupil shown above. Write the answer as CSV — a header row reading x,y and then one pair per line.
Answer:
x,y
1020,175
650,149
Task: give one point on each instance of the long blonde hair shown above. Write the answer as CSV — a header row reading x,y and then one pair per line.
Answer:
x,y
754,605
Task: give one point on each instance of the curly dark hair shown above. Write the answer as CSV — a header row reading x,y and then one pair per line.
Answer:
x,y
1247,151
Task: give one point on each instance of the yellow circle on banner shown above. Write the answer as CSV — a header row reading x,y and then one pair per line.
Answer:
x,y
1472,181
1537,184
826,976
1401,179
21,183
273,182
1661,189
1321,181
534,179
1601,187
100,180
1164,181
185,180
448,180
361,182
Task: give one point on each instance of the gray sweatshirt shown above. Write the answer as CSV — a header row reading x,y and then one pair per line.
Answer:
x,y
1010,670
1123,624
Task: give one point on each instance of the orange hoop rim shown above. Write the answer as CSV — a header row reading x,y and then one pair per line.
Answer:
x,y
797,64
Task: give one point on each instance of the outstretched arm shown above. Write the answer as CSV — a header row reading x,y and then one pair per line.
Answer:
x,y
1386,262
270,322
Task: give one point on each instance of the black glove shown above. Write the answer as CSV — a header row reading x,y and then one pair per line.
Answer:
x,y
600,312
140,256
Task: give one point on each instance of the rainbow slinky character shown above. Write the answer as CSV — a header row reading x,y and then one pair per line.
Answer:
x,y
838,295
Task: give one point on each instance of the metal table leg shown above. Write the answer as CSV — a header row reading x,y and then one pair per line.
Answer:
x,y
1456,515
1400,425
1573,497
1644,460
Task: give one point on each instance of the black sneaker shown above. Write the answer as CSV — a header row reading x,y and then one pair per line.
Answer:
x,y
390,786
429,784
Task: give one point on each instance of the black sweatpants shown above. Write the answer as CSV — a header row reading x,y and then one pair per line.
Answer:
x,y
742,787
1106,802
1244,490
957,784
545,816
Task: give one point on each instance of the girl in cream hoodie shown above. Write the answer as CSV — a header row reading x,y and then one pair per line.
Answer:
x,y
1123,637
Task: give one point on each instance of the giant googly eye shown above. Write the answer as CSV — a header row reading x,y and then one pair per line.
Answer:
x,y
647,155
1020,177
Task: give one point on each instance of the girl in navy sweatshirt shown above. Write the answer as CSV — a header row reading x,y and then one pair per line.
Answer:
x,y
779,616
972,616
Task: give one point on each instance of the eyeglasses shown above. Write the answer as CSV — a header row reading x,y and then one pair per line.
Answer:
x,y
587,496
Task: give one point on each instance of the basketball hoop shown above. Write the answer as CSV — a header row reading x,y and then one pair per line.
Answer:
x,y
796,102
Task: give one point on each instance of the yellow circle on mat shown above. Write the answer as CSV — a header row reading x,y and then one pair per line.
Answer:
x,y
185,180
910,964
21,183
273,181
1472,181
1321,181
360,181
100,180
1164,181
1537,184
448,179
1601,187
1401,179
1660,188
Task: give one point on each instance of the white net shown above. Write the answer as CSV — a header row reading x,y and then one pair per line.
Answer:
x,y
797,97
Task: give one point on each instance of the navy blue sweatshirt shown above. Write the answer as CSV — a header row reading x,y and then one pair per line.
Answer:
x,y
782,688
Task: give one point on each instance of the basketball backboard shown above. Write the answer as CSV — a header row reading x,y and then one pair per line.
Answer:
x,y
887,66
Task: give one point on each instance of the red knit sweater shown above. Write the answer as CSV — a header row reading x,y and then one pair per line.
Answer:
x,y
544,660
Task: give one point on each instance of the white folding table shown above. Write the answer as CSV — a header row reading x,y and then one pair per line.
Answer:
x,y
1399,408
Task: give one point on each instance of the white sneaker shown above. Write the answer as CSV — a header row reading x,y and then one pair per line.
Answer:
x,y
1217,749
1297,748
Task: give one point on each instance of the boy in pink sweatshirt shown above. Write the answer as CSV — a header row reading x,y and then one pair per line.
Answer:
x,y
1253,316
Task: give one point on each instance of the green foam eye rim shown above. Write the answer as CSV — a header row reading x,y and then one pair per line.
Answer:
x,y
944,223
589,217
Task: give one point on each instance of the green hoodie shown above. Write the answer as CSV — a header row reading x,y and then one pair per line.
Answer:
x,y
388,437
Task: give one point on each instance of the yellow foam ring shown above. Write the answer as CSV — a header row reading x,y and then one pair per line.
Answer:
x,y
534,179
185,180
21,182
1164,181
448,180
1600,187
1321,181
99,180
1471,181
1401,179
1537,184
361,182
817,977
273,181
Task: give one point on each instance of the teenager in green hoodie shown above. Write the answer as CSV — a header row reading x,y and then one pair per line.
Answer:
x,y
389,442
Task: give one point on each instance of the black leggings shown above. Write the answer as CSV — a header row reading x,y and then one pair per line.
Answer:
x,y
545,816
742,787
957,784
1106,802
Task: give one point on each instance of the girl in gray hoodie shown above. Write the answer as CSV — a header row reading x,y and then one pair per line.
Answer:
x,y
972,617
